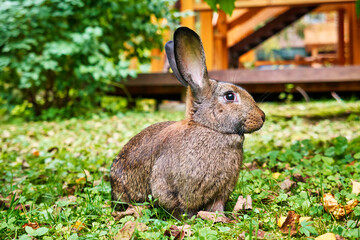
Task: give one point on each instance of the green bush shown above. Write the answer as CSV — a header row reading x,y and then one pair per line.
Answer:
x,y
57,56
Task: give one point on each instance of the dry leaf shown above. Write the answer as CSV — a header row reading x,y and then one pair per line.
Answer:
x,y
81,180
276,175
259,235
298,177
213,216
326,236
292,222
34,225
135,211
251,166
35,153
178,232
7,200
338,210
126,232
356,187
78,226
287,185
338,237
281,220
243,204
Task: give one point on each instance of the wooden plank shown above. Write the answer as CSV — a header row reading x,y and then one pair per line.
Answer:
x,y
165,86
354,32
207,36
220,42
244,76
187,5
274,3
243,18
340,51
241,31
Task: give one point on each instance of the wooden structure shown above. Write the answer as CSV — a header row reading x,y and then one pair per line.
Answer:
x,y
227,39
165,86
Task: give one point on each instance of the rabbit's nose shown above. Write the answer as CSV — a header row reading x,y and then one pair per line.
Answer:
x,y
263,117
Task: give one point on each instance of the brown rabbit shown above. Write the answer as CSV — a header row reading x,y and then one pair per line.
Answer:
x,y
191,164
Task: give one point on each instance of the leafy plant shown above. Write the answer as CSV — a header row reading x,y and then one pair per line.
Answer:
x,y
65,54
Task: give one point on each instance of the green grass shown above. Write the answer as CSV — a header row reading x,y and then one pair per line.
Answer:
x,y
44,162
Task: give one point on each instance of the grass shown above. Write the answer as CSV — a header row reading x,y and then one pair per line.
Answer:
x,y
59,172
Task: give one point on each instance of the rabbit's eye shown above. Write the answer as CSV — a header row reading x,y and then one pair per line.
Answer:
x,y
230,96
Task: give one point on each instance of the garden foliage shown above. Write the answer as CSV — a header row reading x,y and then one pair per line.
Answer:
x,y
62,54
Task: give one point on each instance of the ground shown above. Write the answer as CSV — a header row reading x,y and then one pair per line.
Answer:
x,y
59,172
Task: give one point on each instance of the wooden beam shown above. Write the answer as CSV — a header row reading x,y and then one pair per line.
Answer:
x,y
187,5
220,43
241,31
243,18
207,37
274,3
165,85
354,35
340,51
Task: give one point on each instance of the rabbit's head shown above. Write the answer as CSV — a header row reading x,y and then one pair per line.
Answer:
x,y
221,106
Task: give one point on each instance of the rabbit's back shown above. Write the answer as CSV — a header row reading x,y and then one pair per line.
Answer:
x,y
130,171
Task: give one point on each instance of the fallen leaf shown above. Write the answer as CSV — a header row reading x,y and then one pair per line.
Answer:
x,y
298,177
7,200
356,187
338,210
276,175
338,237
78,226
259,235
25,164
251,166
326,236
282,219
287,185
178,232
243,204
292,222
34,225
213,216
135,211
35,153
81,180
126,232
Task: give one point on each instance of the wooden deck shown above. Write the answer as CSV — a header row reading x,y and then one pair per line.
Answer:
x,y
165,86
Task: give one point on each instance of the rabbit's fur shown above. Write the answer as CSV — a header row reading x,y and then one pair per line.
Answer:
x,y
191,164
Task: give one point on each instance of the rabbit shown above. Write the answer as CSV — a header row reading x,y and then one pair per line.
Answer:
x,y
193,164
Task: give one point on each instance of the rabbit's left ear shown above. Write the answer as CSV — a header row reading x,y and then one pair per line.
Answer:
x,y
190,59
169,49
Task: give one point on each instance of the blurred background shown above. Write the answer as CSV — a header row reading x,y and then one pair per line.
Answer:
x,y
60,59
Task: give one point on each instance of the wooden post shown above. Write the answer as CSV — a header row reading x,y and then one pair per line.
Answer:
x,y
187,5
207,37
340,37
221,51
354,35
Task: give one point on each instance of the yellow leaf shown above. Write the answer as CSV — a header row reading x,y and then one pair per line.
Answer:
x,y
356,187
281,220
276,175
80,180
35,153
326,236
78,226
338,210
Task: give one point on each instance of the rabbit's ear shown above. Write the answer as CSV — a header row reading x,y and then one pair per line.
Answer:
x,y
190,58
169,49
